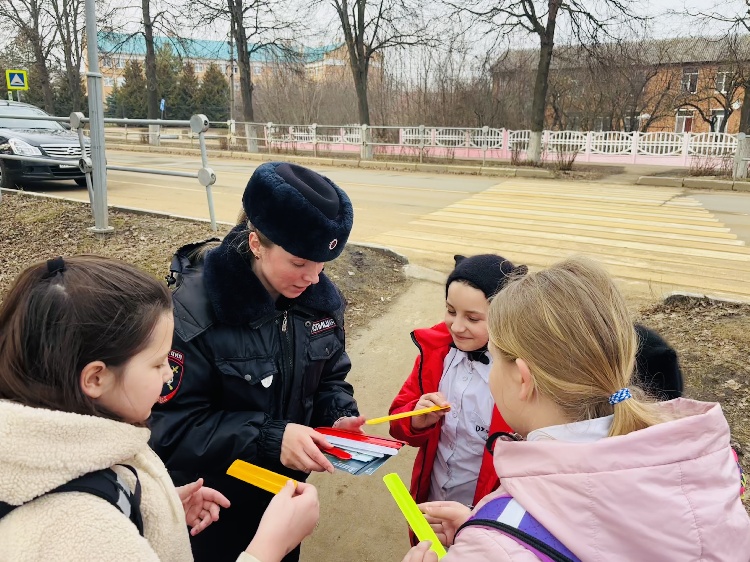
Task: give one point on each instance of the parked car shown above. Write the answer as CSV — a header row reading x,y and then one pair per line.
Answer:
x,y
41,138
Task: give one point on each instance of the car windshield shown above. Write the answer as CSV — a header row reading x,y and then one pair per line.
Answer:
x,y
10,123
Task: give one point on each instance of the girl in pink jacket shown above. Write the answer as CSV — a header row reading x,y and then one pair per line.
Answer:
x,y
595,471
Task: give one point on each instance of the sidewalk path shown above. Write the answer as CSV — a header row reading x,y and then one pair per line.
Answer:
x,y
359,521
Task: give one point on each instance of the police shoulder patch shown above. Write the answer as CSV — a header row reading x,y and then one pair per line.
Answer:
x,y
177,365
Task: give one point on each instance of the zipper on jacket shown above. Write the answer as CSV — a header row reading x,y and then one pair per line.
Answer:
x,y
421,389
287,363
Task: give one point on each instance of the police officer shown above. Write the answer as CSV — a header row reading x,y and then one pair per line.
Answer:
x,y
258,357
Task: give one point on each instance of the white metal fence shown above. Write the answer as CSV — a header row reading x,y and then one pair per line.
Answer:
x,y
449,143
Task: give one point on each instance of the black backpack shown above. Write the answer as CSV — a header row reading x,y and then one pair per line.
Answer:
x,y
103,484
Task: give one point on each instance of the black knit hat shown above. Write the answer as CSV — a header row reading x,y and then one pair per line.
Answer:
x,y
303,212
487,272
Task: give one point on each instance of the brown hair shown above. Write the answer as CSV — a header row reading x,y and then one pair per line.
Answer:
x,y
572,327
55,323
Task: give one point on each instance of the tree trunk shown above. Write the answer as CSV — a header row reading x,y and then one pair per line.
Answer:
x,y
539,100
152,97
243,61
360,84
67,16
44,78
745,111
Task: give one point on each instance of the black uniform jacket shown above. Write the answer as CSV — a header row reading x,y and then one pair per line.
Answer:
x,y
245,366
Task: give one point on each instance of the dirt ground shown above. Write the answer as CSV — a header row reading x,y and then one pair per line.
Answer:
x,y
359,519
34,229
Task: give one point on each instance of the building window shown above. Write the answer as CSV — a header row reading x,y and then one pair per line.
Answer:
x,y
257,70
723,81
199,67
107,61
236,70
717,117
120,81
109,81
683,121
121,62
690,80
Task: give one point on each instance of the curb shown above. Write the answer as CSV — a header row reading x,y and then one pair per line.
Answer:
x,y
695,183
344,162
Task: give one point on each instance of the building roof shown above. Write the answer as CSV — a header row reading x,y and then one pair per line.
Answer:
x,y
135,44
676,51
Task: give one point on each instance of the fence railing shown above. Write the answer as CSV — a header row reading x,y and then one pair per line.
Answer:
x,y
445,143
198,125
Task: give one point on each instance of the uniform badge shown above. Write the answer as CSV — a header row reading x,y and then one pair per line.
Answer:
x,y
333,244
177,365
320,326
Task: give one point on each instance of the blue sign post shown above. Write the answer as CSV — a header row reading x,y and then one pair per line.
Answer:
x,y
162,104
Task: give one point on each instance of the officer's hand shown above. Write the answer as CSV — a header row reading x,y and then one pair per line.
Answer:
x,y
290,517
418,423
300,449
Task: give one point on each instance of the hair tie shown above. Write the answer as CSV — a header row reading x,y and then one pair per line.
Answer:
x,y
619,396
54,266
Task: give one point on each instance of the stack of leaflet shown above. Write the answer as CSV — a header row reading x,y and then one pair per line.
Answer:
x,y
368,453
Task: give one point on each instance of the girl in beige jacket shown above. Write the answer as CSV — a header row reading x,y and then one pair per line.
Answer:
x,y
83,358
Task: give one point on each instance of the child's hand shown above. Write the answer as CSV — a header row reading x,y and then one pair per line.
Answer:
x,y
290,517
419,423
201,505
445,518
350,423
421,553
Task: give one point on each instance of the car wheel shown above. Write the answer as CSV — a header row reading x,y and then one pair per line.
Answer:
x,y
81,181
6,180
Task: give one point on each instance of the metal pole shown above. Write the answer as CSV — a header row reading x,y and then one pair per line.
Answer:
x,y
206,176
96,114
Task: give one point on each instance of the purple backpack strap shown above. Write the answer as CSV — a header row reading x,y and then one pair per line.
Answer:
x,y
507,516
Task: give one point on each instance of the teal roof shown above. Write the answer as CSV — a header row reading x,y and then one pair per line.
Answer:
x,y
135,44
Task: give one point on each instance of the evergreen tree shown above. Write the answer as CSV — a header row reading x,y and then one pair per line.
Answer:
x,y
186,94
168,69
213,96
132,95
112,105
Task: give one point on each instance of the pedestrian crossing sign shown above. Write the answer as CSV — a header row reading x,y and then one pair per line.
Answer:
x,y
17,79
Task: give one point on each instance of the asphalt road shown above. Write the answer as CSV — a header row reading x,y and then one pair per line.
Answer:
x,y
382,200
656,240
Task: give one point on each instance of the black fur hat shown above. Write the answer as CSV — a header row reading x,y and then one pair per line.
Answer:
x,y
657,369
487,272
300,210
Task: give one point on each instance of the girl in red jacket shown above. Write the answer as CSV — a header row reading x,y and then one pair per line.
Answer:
x,y
452,368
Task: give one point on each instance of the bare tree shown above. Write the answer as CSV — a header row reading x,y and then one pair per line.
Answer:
x,y
265,27
370,27
735,23
33,25
586,19
159,18
68,16
726,87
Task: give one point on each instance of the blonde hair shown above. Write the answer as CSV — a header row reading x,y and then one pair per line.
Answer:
x,y
572,327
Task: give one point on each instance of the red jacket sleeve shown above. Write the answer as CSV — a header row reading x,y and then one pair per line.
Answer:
x,y
405,401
